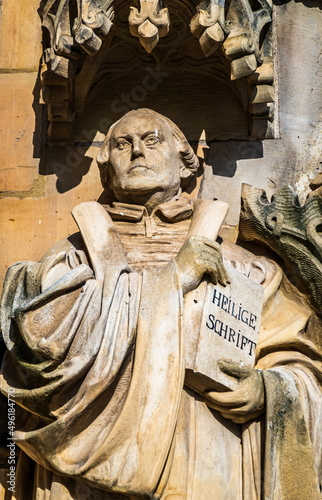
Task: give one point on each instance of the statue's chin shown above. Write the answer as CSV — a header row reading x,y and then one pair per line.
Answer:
x,y
146,188
153,196
140,185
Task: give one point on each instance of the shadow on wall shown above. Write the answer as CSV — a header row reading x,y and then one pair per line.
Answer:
x,y
223,157
175,80
206,110
39,135
69,162
203,108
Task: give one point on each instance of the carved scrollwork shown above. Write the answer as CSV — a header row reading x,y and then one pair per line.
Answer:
x,y
71,27
238,27
150,23
291,230
210,26
74,31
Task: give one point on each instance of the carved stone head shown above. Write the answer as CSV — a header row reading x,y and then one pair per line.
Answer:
x,y
145,156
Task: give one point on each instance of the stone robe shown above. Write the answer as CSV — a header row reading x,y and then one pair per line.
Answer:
x,y
96,357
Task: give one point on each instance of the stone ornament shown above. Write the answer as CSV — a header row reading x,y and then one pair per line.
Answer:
x,y
66,34
100,332
237,28
292,230
209,26
69,34
74,39
262,97
149,24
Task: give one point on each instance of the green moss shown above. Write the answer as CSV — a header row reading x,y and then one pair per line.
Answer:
x,y
37,190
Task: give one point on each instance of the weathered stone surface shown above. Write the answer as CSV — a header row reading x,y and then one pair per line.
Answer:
x,y
12,179
295,157
20,47
199,96
96,347
228,332
17,126
292,230
41,217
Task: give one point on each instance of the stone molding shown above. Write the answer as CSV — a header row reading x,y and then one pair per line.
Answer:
x,y
75,32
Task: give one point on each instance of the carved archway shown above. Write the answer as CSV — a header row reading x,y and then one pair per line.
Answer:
x,y
235,37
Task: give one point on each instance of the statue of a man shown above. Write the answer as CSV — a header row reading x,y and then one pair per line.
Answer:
x,y
96,335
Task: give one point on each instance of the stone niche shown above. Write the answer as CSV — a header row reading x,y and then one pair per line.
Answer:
x,y
178,73
217,88
176,79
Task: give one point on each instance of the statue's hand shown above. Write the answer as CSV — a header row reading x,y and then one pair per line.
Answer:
x,y
246,402
198,256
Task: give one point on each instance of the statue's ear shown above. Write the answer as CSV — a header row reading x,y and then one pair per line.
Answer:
x,y
180,150
188,159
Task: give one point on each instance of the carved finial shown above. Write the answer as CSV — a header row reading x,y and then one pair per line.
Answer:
x,y
149,24
237,26
208,26
71,27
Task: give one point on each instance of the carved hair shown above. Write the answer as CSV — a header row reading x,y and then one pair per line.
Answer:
x,y
190,162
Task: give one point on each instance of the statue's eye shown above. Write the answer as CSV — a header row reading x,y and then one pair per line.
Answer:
x,y
123,144
151,141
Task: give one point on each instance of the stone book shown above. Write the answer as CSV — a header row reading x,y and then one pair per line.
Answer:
x,y
229,330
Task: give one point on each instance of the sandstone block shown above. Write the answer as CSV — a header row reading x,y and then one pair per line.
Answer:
x,y
17,126
20,35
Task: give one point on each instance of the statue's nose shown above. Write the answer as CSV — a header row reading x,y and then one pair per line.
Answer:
x,y
137,149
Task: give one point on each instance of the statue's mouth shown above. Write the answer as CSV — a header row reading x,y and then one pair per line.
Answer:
x,y
138,165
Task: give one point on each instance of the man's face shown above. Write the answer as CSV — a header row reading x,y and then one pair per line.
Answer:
x,y
143,159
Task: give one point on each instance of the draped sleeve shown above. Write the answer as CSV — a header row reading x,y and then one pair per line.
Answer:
x,y
289,354
95,358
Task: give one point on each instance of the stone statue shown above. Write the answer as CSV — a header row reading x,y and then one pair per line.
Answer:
x,y
97,336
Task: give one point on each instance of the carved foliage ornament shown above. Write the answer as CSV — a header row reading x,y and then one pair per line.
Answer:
x,y
150,23
75,29
71,29
291,230
238,27
72,26
242,29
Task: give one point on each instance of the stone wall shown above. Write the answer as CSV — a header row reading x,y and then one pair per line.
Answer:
x,y
34,214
